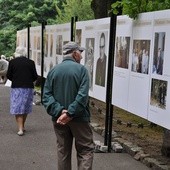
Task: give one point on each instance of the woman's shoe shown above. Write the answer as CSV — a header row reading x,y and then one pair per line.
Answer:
x,y
20,133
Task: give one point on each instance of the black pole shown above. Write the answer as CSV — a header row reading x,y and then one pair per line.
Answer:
x,y
42,58
76,18
28,41
109,106
72,28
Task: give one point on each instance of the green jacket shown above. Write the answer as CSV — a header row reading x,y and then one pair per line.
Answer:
x,y
67,87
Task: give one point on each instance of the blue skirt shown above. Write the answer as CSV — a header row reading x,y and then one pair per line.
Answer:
x,y
21,100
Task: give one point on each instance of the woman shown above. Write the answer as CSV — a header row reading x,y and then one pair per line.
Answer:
x,y
22,73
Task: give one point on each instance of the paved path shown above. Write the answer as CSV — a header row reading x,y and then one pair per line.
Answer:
x,y
36,150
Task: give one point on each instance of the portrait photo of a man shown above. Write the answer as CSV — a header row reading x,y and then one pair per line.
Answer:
x,y
158,59
89,59
101,62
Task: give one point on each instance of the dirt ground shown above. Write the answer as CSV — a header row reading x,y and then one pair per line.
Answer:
x,y
132,128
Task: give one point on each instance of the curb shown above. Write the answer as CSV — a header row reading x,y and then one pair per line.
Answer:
x,y
135,151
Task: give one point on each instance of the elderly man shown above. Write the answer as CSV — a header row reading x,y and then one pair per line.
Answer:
x,y
3,68
65,98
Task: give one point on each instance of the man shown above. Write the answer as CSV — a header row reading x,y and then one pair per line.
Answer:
x,y
89,58
65,98
101,63
3,68
159,65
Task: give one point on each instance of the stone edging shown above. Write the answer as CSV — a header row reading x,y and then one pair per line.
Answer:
x,y
136,152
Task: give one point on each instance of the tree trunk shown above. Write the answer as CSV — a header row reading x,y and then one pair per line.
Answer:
x,y
101,8
166,143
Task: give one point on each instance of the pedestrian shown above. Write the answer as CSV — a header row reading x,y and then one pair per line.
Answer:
x,y
3,68
22,73
65,98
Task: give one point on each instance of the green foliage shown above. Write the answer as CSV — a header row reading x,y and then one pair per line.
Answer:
x,y
71,8
133,7
17,14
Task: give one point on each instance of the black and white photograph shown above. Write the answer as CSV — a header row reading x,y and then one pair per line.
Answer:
x,y
89,59
38,58
46,45
122,52
38,43
51,45
101,61
158,56
78,36
59,42
159,93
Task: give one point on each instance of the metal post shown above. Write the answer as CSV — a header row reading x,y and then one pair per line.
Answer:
x,y
72,28
109,107
28,41
42,58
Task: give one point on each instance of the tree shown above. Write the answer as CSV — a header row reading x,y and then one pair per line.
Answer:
x,y
71,8
17,14
133,7
101,8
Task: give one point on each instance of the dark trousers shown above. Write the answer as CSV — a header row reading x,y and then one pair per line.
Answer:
x,y
82,133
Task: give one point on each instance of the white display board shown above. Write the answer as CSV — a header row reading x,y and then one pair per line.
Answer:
x,y
142,87
21,38
35,47
49,48
94,36
139,81
85,37
122,58
55,37
141,74
159,98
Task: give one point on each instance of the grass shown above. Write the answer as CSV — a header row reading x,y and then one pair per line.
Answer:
x,y
149,137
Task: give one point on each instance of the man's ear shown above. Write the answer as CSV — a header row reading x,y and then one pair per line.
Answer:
x,y
74,54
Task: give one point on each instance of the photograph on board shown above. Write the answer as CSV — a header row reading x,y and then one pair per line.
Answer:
x,y
35,42
59,42
140,56
51,45
38,43
122,52
89,59
78,36
101,61
158,56
38,58
159,93
46,45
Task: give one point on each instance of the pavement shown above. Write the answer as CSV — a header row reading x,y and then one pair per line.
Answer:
x,y
36,150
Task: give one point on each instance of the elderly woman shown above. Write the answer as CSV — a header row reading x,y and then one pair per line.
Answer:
x,y
22,73
3,68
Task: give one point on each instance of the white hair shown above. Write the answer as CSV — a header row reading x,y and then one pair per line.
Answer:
x,y
20,51
3,57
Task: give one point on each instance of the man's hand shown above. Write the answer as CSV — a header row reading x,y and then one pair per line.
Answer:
x,y
64,118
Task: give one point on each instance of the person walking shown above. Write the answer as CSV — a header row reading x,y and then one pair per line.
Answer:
x,y
65,97
22,73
